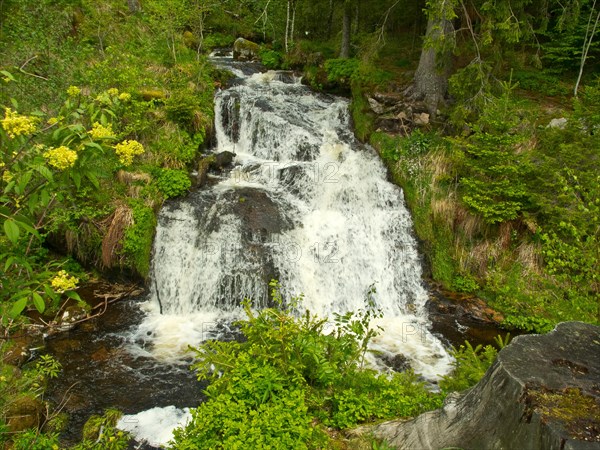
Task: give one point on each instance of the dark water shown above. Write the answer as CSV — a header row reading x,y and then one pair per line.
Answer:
x,y
99,372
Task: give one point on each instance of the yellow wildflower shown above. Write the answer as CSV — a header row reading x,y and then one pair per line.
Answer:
x,y
15,124
113,92
125,97
103,98
126,150
52,121
7,176
73,91
99,131
64,282
61,158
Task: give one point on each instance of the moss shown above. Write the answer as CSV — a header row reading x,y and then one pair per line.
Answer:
x,y
577,412
361,115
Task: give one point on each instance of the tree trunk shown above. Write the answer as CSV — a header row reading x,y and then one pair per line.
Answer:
x,y
293,26
431,77
287,27
330,19
134,6
346,30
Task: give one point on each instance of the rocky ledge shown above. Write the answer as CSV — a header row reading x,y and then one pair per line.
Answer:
x,y
543,392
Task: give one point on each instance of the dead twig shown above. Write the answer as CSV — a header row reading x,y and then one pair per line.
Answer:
x,y
22,70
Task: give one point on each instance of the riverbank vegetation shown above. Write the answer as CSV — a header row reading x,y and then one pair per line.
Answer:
x,y
491,130
290,385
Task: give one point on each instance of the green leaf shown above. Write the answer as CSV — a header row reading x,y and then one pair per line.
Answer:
x,y
9,187
12,230
7,75
23,182
39,303
45,197
74,295
28,228
50,293
92,144
76,179
93,179
45,172
9,262
18,307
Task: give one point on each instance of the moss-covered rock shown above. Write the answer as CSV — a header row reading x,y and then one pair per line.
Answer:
x,y
25,412
245,50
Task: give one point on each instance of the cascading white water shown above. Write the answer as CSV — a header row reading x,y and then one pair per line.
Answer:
x,y
305,203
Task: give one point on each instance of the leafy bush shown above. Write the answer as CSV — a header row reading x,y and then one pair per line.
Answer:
x,y
341,70
529,323
287,379
465,283
183,108
173,183
271,59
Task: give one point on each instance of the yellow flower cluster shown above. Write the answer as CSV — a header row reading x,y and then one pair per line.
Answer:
x,y
126,150
15,124
113,92
61,157
7,176
124,97
103,98
73,91
52,121
64,282
99,131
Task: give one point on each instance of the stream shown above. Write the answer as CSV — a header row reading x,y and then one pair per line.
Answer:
x,y
304,203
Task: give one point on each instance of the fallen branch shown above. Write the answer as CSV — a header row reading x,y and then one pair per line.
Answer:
x,y
22,70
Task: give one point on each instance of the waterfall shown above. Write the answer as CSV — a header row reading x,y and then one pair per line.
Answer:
x,y
305,203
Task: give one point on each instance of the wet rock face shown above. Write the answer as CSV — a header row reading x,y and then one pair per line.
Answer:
x,y
528,399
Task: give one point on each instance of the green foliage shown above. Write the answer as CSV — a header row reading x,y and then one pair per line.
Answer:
x,y
362,115
173,183
183,108
48,164
99,433
465,283
27,385
271,59
470,364
34,440
137,244
341,70
412,146
494,185
529,323
288,379
215,40
353,72
535,80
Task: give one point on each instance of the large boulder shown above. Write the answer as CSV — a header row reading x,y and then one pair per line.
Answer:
x,y
543,392
245,50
